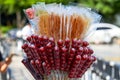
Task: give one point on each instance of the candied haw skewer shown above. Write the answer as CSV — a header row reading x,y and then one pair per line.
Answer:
x,y
32,62
90,51
85,44
45,40
39,77
63,59
38,63
50,55
36,40
90,60
33,49
36,52
60,43
84,58
67,43
52,41
33,40
31,70
57,57
49,46
74,66
85,50
88,63
27,51
39,53
74,43
29,39
43,55
84,68
79,43
24,46
45,68
80,51
70,58
40,41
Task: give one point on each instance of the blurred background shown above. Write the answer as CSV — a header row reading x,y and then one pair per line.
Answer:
x,y
105,41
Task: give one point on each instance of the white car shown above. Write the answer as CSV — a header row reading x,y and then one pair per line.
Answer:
x,y
105,33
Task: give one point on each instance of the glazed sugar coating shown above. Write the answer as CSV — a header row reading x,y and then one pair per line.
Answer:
x,y
68,58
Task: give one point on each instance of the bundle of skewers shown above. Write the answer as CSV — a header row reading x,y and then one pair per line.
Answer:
x,y
57,49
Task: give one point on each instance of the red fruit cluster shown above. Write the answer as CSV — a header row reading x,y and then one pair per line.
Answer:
x,y
45,55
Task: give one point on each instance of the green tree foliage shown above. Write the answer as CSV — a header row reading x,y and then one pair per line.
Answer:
x,y
11,6
105,7
108,8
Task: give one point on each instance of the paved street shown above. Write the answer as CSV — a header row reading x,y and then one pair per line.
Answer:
x,y
19,72
107,52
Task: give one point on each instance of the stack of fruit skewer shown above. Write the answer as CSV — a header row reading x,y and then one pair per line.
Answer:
x,y
57,50
63,60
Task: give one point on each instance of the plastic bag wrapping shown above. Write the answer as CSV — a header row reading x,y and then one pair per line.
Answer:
x,y
60,21
57,50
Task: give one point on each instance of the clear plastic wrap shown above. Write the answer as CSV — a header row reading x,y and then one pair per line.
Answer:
x,y
60,21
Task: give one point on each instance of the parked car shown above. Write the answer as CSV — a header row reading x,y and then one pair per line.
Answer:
x,y
105,33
